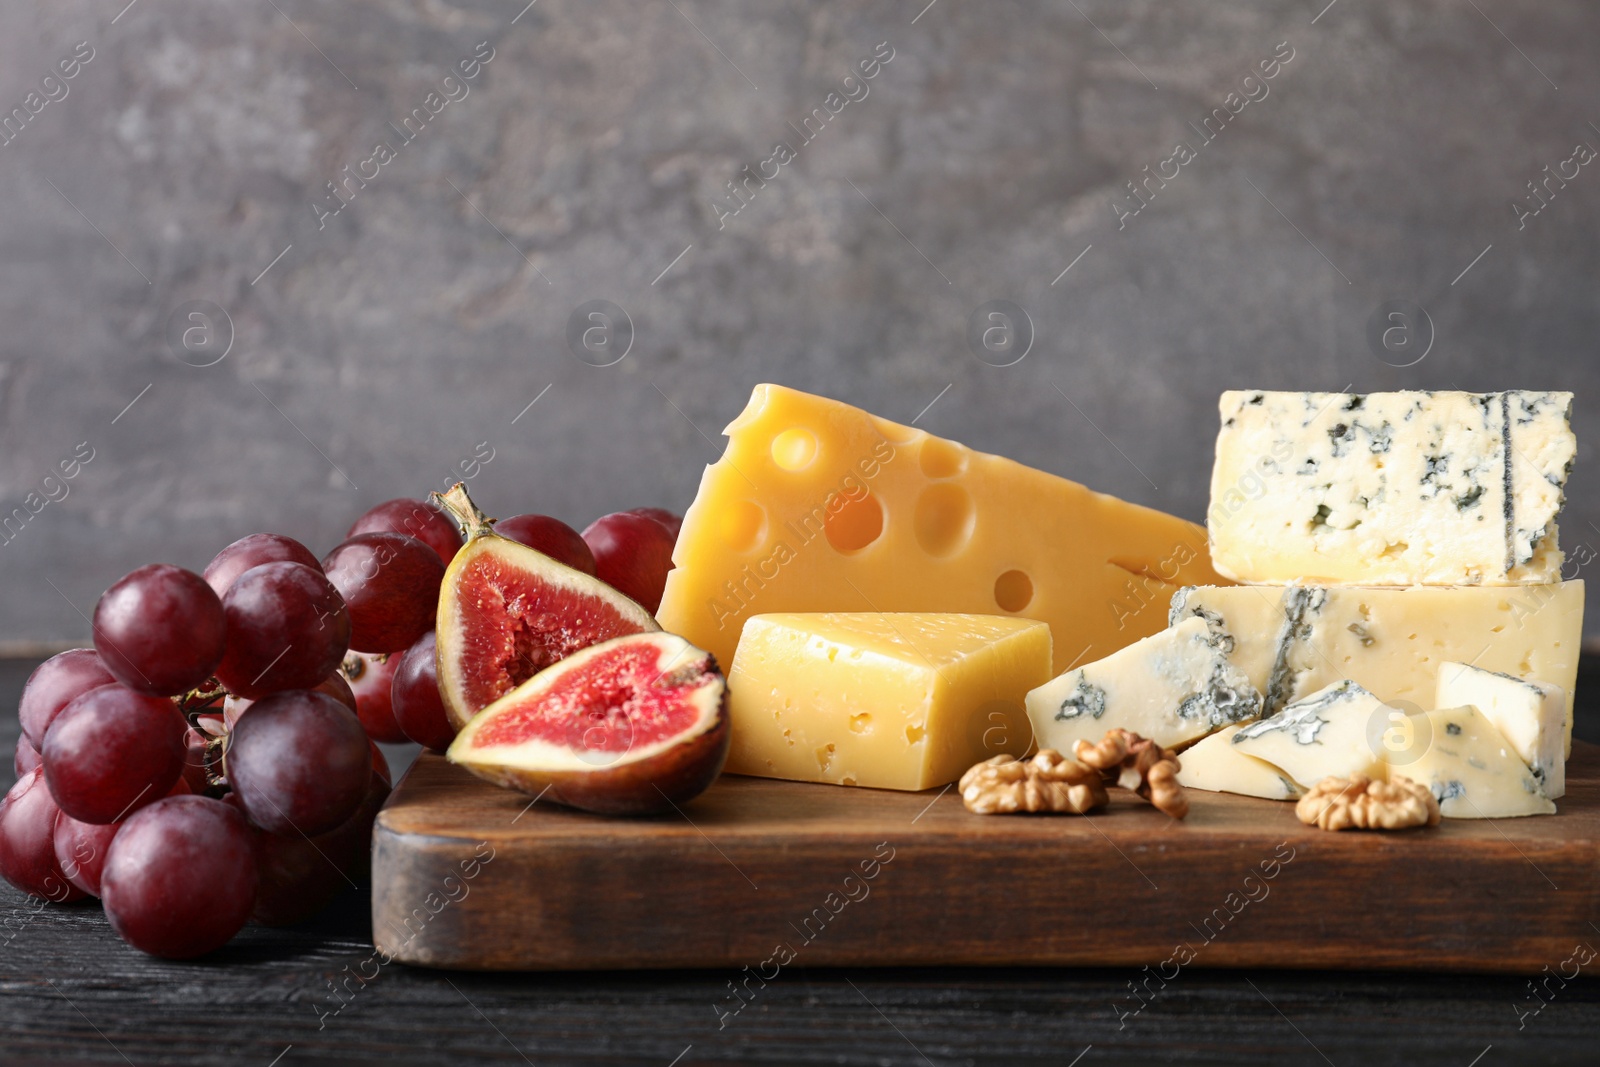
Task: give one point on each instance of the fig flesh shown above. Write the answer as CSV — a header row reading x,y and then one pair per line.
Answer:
x,y
507,612
630,726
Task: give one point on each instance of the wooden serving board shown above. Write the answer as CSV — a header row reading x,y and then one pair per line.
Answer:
x,y
766,874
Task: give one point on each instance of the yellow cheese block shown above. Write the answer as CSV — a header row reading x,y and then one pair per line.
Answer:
x,y
819,506
893,701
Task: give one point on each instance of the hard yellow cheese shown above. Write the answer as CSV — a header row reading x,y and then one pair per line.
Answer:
x,y
893,701
819,506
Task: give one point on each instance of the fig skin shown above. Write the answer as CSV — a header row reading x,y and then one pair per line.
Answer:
x,y
679,772
647,787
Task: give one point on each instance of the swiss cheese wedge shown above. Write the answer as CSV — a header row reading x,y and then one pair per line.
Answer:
x,y
819,506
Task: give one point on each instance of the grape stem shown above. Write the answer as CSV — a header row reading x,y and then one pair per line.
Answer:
x,y
467,516
202,696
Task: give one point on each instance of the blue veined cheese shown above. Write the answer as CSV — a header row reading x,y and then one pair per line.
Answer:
x,y
1409,488
1172,687
1213,763
1337,731
1530,715
1291,641
1471,770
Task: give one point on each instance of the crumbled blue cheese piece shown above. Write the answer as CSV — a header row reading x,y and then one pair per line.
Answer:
x,y
1213,763
1471,769
1530,715
1172,687
1336,731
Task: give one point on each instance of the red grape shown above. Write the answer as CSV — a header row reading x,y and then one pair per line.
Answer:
x,y
672,522
160,630
80,849
298,878
335,686
418,708
350,844
54,684
287,629
380,763
27,841
632,554
370,676
253,551
112,750
551,536
391,584
298,762
26,758
180,877
415,518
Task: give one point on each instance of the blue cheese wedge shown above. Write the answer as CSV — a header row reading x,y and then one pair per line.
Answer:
x,y
1292,641
1329,732
1215,764
1530,715
1409,488
1172,687
1471,769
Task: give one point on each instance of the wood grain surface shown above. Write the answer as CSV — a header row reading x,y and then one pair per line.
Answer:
x,y
72,992
763,874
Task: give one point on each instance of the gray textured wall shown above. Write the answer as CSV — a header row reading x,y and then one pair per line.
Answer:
x,y
389,340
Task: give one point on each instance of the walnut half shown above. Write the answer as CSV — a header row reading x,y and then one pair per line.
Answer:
x,y
1048,781
1360,803
1139,765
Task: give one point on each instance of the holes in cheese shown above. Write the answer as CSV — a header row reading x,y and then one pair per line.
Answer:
x,y
819,506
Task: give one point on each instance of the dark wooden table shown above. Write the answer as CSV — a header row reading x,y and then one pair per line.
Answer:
x,y
71,991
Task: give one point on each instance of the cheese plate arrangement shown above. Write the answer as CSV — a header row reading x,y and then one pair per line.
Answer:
x,y
976,713
875,699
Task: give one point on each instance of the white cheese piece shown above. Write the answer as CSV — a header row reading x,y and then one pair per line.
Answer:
x,y
1530,715
1337,731
1172,687
1409,488
1471,769
1391,641
1215,764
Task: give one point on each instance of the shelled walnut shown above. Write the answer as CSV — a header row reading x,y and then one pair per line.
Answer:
x,y
1139,765
1048,781
1360,803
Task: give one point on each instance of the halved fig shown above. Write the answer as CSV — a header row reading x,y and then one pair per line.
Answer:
x,y
631,726
507,611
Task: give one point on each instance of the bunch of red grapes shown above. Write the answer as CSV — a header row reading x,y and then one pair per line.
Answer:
x,y
211,760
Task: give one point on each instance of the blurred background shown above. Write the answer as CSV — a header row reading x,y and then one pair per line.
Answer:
x,y
227,309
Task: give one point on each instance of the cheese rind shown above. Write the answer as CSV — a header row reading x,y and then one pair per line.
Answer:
x,y
1471,770
1407,488
1172,687
891,701
1530,715
1216,765
819,506
1329,732
1294,640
